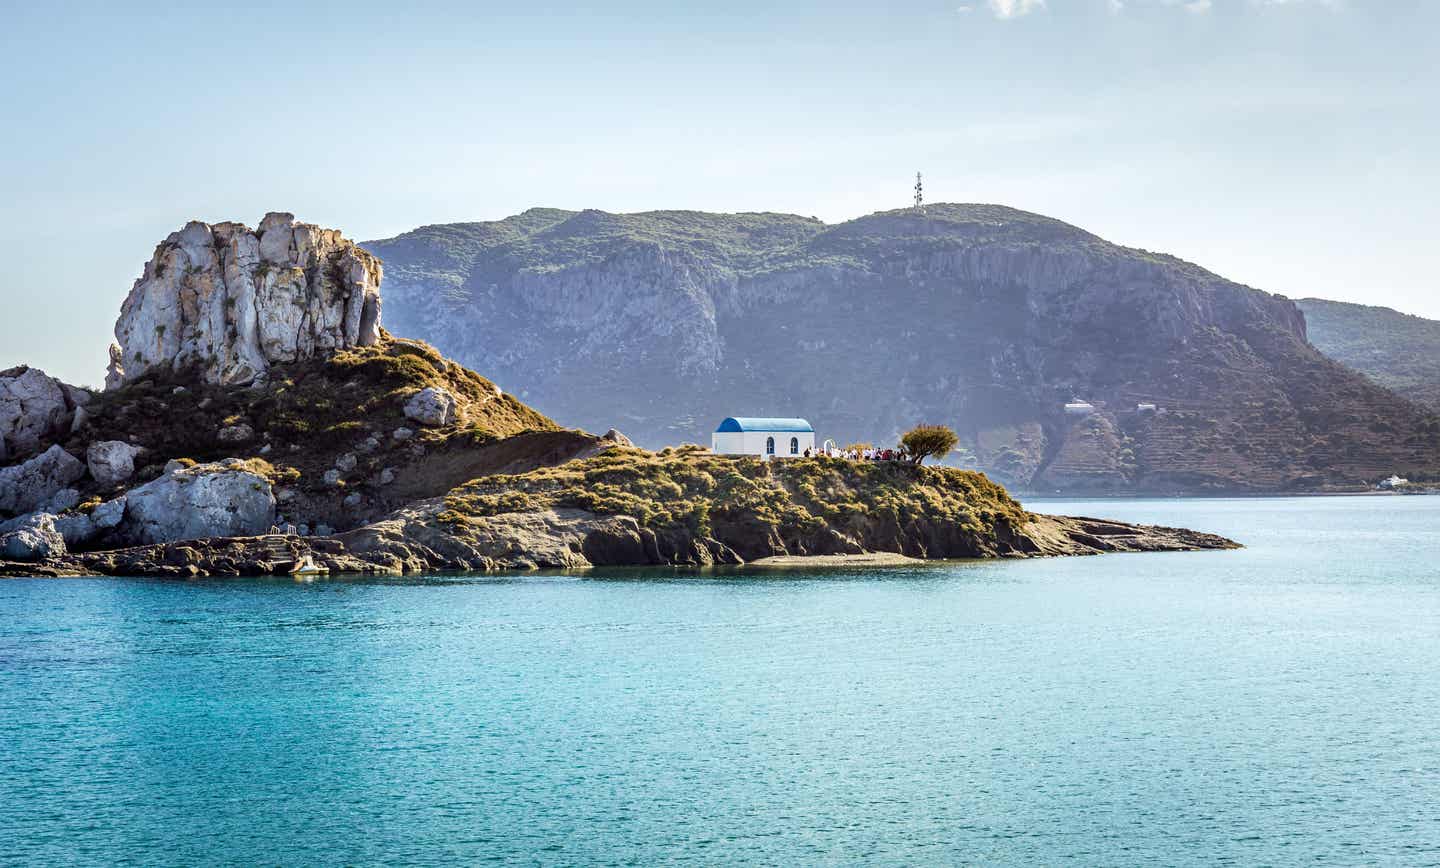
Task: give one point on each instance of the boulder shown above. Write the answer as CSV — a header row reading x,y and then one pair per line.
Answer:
x,y
347,462
62,500
232,301
207,500
35,540
111,462
78,528
241,433
431,405
31,485
35,411
614,436
402,433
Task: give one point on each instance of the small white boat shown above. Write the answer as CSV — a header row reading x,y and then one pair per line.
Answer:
x,y
306,566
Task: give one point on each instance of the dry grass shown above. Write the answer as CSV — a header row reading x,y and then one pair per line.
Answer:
x,y
693,488
309,412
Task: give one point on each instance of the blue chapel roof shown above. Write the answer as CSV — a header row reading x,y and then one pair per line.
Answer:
x,y
755,423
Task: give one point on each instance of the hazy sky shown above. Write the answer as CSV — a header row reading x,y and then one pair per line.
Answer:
x,y
1293,145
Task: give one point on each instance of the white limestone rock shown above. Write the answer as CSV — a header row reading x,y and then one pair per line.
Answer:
x,y
614,436
34,540
111,462
431,405
233,301
207,500
35,411
32,484
115,371
78,528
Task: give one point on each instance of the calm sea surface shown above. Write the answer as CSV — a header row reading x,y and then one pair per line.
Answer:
x,y
1277,705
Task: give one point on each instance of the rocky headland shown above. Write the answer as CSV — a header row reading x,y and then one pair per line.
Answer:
x,y
256,412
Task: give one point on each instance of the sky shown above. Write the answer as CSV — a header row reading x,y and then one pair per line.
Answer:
x,y
1292,145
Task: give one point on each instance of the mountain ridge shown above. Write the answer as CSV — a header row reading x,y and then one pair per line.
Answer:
x,y
985,317
1398,350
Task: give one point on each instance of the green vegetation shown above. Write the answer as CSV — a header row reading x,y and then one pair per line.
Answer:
x,y
1396,350
923,441
713,494
308,411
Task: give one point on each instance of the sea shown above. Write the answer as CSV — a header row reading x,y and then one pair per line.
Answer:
x,y
1274,705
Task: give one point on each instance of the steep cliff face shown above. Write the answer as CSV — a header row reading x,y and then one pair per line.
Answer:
x,y
232,301
981,317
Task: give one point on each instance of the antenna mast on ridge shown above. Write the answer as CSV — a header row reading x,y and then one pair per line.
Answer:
x,y
919,194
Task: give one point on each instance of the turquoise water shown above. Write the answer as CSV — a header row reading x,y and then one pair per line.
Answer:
x,y
1277,705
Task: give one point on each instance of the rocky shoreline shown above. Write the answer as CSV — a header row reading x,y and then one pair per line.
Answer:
x,y
562,539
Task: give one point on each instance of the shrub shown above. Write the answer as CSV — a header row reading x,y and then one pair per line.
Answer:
x,y
923,441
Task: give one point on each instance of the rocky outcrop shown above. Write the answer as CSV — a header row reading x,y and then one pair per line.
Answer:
x,y
415,539
431,406
111,462
33,484
231,301
115,370
36,539
206,500
35,411
614,436
84,528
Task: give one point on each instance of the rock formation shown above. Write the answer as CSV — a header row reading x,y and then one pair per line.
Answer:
x,y
220,499
35,411
231,301
33,484
115,370
111,462
431,406
34,539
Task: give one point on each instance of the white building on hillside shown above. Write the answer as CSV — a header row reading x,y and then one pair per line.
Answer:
x,y
745,435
